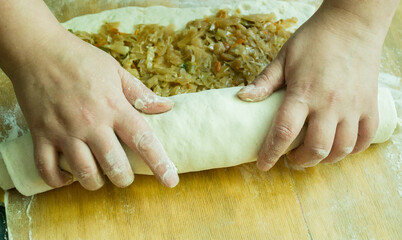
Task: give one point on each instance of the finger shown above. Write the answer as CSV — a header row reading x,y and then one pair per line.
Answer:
x,y
141,97
345,140
111,157
269,80
317,142
286,126
82,164
46,160
137,134
367,129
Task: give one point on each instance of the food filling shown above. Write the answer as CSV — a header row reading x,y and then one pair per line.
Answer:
x,y
215,52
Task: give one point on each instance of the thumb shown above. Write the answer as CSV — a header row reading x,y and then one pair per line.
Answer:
x,y
269,80
141,97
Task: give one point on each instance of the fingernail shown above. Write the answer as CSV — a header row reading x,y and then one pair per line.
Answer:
x,y
68,178
248,88
348,150
163,100
263,166
245,92
298,168
170,178
99,180
309,164
139,104
126,180
121,178
142,103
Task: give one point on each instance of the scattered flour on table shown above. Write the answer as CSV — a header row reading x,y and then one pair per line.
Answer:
x,y
394,150
8,119
28,214
19,214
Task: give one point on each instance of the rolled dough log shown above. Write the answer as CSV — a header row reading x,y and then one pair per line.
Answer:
x,y
205,130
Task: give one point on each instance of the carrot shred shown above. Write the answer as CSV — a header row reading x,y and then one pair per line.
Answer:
x,y
136,32
221,14
239,42
114,30
100,44
218,66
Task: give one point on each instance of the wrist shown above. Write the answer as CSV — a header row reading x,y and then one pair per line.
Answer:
x,y
35,49
371,16
349,25
27,30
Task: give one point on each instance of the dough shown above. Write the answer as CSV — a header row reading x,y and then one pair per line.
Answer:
x,y
205,130
210,129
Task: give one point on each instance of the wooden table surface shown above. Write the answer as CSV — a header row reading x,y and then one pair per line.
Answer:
x,y
358,198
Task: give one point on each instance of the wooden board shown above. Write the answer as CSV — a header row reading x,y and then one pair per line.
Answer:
x,y
357,198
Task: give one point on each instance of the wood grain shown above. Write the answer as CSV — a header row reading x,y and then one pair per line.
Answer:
x,y
231,203
355,199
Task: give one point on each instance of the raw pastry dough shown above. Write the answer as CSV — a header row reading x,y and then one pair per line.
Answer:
x,y
210,129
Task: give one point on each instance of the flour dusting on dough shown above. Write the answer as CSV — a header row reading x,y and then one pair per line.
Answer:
x,y
394,149
9,117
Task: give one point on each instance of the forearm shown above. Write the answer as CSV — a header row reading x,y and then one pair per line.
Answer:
x,y
376,15
25,26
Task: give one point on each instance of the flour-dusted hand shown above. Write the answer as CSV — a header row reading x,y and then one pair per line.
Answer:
x,y
330,68
77,101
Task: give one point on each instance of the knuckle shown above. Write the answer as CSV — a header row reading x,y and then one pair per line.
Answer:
x,y
114,166
263,156
284,132
272,153
86,115
42,171
304,89
116,170
85,173
41,166
144,141
47,176
333,97
266,76
115,162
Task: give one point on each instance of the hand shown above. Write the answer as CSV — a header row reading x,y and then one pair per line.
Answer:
x,y
330,68
77,100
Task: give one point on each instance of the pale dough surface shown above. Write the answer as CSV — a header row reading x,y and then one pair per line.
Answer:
x,y
205,130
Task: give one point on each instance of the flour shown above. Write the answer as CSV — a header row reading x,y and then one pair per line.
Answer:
x,y
28,214
19,215
8,119
203,108
394,150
